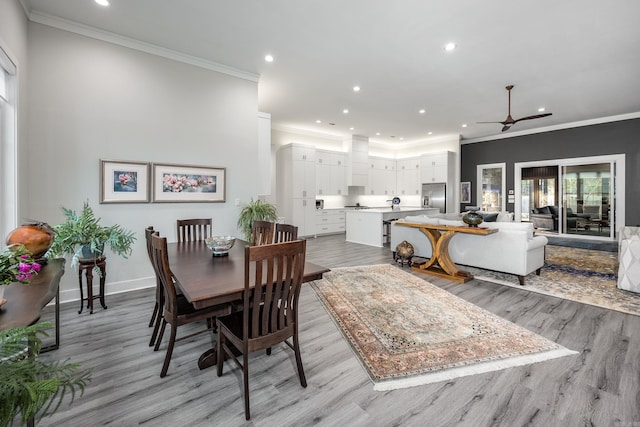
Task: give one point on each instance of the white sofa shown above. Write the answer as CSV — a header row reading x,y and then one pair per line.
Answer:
x,y
513,249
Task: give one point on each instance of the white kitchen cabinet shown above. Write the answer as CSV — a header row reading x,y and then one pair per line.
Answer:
x,y
330,221
437,167
382,177
408,176
296,180
330,173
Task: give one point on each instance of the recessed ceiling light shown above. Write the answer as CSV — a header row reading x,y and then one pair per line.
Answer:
x,y
356,88
352,128
268,58
464,125
318,121
345,111
402,138
377,133
102,2
429,133
449,47
540,110
422,111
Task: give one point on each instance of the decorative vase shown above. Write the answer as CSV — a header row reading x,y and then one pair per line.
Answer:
x,y
472,218
37,237
89,255
404,253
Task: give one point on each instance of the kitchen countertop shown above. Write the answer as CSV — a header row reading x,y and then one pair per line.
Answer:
x,y
396,209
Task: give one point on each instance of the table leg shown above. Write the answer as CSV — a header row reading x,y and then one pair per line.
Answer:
x,y
440,264
81,293
90,289
208,358
103,277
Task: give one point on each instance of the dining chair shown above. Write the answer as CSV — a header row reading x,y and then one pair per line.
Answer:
x,y
285,233
190,230
262,233
272,278
157,308
177,311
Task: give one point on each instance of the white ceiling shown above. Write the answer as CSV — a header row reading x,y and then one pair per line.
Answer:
x,y
578,58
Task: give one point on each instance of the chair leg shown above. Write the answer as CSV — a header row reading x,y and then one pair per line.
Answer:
x,y
159,339
154,334
220,351
167,358
269,351
153,316
296,349
245,373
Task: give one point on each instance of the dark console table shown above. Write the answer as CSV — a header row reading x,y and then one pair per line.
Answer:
x,y
25,302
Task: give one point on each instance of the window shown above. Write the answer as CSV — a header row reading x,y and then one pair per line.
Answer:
x,y
8,148
491,187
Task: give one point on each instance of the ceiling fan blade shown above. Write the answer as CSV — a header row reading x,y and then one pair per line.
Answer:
x,y
506,127
537,116
492,122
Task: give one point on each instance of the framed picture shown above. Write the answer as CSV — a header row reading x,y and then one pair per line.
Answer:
x,y
124,182
184,183
465,192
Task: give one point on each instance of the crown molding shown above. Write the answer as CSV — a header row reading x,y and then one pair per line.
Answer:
x,y
109,37
570,125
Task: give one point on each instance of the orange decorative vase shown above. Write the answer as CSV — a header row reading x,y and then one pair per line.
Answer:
x,y
37,237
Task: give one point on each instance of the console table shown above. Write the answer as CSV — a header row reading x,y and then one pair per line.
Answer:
x,y
440,263
25,302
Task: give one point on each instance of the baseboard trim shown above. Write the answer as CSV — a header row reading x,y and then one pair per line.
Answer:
x,y
69,295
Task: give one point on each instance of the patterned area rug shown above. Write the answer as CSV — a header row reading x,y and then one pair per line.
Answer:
x,y
407,332
582,275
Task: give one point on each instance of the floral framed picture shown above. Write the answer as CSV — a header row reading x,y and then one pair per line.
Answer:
x,y
465,192
184,183
124,181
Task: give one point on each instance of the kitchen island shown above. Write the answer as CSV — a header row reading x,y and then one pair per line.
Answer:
x,y
366,226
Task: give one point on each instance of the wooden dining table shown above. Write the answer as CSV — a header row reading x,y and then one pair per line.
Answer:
x,y
206,280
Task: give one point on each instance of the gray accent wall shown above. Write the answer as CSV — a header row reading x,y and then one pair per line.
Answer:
x,y
620,137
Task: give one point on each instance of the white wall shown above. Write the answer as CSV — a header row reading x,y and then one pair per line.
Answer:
x,y
91,100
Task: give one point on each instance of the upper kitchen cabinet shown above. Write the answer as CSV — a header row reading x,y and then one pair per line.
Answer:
x,y
382,177
408,176
437,167
296,183
330,173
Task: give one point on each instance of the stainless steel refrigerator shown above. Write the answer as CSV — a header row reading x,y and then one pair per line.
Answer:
x,y
435,196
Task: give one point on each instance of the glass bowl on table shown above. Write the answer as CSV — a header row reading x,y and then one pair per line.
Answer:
x,y
220,245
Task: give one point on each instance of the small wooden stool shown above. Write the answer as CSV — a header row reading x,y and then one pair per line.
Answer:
x,y
87,266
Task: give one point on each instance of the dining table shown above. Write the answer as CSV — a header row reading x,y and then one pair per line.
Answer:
x,y
207,280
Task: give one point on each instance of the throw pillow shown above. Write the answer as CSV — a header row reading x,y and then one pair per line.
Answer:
x,y
489,217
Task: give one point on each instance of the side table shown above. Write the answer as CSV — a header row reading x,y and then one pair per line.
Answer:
x,y
87,267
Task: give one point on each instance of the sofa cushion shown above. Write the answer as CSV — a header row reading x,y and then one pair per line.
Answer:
x,y
505,217
422,219
489,216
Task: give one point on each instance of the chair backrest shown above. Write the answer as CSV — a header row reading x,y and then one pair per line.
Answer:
x,y
163,272
262,233
272,279
285,233
190,230
148,232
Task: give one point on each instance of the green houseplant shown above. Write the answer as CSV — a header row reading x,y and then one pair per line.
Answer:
x,y
255,210
29,386
84,237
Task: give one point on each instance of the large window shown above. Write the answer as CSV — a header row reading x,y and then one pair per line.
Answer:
x,y
491,187
8,157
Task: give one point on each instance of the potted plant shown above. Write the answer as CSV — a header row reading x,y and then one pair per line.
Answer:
x,y
31,386
255,210
84,237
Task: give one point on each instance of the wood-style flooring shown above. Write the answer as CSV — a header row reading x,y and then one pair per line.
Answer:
x,y
600,386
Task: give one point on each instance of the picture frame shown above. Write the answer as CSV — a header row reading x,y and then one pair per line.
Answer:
x,y
124,181
465,192
175,183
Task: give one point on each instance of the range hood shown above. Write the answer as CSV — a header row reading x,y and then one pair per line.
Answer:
x,y
357,149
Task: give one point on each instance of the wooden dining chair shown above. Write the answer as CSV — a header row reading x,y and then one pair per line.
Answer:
x,y
285,233
272,279
177,311
156,316
262,233
190,230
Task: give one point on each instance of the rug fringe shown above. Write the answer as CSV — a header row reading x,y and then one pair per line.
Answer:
x,y
481,368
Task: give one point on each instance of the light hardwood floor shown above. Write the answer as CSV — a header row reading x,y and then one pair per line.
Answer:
x,y
597,387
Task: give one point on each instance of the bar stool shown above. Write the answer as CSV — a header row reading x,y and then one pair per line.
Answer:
x,y
386,225
87,267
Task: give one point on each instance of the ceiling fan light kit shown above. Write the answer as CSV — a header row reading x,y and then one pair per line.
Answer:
x,y
509,121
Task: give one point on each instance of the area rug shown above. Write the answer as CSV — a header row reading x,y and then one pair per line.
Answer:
x,y
582,275
407,332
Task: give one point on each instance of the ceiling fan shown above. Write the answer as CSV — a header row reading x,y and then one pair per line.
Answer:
x,y
509,121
